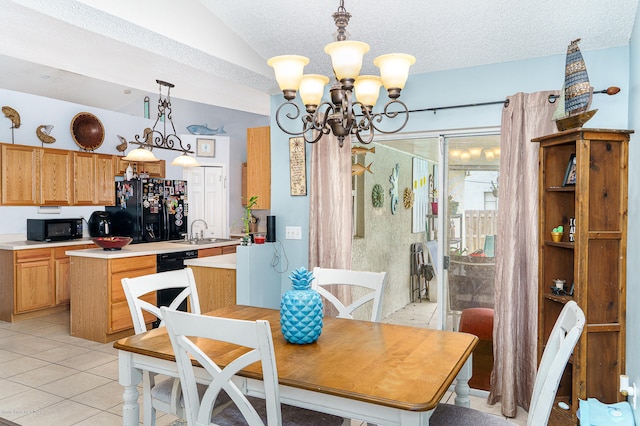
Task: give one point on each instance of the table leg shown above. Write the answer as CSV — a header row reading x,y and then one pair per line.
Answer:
x,y
462,384
129,377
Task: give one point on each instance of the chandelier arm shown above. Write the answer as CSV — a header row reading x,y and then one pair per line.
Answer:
x,y
377,117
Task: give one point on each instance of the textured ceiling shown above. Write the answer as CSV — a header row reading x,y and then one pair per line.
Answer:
x,y
214,51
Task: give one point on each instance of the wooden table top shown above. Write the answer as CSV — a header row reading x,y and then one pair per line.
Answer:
x,y
391,365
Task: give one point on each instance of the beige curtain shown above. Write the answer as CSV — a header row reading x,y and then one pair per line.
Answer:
x,y
526,116
330,209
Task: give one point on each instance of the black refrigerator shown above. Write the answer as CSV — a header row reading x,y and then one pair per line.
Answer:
x,y
149,210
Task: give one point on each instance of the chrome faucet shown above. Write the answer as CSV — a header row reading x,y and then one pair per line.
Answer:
x,y
201,231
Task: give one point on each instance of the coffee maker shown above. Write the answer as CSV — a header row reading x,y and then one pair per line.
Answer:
x,y
99,224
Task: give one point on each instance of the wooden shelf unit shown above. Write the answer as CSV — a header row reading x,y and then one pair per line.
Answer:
x,y
595,263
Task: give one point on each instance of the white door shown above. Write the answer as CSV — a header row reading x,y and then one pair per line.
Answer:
x,y
207,198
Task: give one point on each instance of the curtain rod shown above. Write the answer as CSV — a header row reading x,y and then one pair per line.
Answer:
x,y
552,98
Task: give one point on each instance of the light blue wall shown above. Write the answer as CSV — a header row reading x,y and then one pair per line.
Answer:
x,y
633,242
608,67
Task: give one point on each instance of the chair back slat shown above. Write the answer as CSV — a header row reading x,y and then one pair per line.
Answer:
x,y
135,288
374,281
183,328
562,340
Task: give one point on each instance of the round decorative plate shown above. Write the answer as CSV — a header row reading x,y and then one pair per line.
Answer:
x,y
377,195
87,131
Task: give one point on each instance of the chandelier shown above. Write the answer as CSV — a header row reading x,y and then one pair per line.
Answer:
x,y
343,115
154,138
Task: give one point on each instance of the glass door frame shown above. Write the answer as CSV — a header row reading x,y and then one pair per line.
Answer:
x,y
441,274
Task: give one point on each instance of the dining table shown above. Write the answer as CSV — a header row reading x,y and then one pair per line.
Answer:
x,y
380,373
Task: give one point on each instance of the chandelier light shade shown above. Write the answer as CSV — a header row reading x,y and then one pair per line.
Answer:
x,y
140,154
160,137
344,115
312,89
185,160
367,89
288,70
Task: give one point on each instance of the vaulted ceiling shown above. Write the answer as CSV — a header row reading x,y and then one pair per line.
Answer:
x,y
108,54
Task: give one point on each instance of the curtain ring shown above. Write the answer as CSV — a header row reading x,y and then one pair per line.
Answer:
x,y
506,103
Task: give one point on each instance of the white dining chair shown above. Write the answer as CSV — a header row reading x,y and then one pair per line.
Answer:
x,y
163,395
562,340
185,330
373,281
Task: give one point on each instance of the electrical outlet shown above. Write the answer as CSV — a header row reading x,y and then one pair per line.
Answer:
x,y
293,233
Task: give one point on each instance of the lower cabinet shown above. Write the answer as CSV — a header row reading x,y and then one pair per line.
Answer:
x,y
99,309
34,282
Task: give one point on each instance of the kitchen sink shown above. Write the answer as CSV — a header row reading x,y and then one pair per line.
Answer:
x,y
202,241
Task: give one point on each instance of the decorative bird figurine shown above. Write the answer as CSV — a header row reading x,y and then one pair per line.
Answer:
x,y
122,147
44,133
12,115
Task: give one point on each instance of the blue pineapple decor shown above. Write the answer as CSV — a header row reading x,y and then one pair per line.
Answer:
x,y
301,310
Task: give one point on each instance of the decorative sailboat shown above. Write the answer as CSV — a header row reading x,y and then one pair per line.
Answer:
x,y
576,94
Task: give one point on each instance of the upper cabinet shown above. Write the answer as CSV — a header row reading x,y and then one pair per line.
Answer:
x,y
33,176
155,169
56,184
94,179
259,166
20,175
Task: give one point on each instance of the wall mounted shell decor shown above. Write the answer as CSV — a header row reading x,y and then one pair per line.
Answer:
x,y
408,198
43,132
14,116
377,196
394,188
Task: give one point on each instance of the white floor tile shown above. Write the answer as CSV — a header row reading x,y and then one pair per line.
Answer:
x,y
76,384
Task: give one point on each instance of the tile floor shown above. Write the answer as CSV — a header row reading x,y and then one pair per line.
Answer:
x,y
49,377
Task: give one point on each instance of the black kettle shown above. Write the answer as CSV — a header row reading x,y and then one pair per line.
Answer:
x,y
99,224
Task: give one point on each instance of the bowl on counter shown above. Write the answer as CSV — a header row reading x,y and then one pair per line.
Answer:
x,y
259,238
112,243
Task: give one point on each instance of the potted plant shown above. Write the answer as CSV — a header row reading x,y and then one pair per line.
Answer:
x,y
248,219
453,205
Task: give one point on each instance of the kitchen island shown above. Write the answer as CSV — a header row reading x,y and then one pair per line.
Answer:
x,y
99,309
215,279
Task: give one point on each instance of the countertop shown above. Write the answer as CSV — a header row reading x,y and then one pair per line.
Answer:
x,y
145,249
224,261
131,250
25,245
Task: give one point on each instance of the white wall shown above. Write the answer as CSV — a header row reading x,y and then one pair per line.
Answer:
x,y
633,232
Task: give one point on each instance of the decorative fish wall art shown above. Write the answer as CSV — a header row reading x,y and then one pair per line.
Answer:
x,y
357,150
203,129
357,169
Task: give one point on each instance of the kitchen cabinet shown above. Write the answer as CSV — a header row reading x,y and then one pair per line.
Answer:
x,y
211,251
34,282
33,176
156,169
99,309
93,176
259,166
593,262
56,171
20,175
61,270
